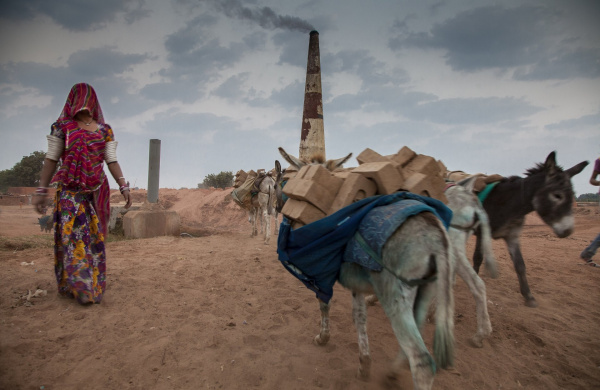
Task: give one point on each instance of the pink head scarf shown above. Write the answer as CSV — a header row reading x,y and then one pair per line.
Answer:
x,y
82,97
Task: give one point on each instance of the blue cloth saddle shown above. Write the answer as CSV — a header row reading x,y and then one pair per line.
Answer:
x,y
314,253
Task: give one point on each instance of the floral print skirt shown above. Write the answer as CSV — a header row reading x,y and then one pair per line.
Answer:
x,y
79,253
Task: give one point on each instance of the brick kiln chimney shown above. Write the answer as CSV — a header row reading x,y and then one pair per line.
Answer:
x,y
312,138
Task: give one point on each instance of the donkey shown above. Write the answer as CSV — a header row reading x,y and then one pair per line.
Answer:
x,y
547,189
262,207
417,252
467,216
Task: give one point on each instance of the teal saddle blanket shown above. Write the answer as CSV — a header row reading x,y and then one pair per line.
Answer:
x,y
314,253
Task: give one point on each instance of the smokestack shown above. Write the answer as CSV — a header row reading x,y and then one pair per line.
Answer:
x,y
312,138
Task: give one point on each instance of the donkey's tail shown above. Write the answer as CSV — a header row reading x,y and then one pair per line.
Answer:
x,y
443,344
272,200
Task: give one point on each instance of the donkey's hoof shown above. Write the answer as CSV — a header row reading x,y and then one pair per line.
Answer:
x,y
321,340
363,374
477,341
371,300
364,370
531,302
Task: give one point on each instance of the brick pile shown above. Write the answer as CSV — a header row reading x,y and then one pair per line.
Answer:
x,y
241,176
314,192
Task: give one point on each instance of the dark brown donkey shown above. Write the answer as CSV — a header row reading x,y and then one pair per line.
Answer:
x,y
547,189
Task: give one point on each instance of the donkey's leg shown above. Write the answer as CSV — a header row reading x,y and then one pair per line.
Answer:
x,y
478,254
263,201
359,315
323,337
276,223
477,288
512,242
252,219
421,307
398,308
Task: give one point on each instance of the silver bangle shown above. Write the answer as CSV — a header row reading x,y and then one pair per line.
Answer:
x,y
110,152
56,146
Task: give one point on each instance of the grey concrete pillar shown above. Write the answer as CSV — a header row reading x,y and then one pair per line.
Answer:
x,y
153,170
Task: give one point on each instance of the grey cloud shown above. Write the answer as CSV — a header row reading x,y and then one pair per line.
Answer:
x,y
592,121
293,48
531,38
290,97
176,90
193,47
75,15
472,111
102,62
231,88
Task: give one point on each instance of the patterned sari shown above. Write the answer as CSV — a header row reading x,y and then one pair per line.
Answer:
x,y
81,207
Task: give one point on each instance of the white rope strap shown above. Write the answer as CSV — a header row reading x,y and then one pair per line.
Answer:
x,y
56,145
110,152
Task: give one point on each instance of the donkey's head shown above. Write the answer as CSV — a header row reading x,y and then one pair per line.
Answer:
x,y
297,164
314,160
554,198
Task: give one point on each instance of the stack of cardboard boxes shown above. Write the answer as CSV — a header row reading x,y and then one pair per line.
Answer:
x,y
314,192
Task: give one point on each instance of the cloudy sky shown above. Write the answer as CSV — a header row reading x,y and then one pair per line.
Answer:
x,y
485,86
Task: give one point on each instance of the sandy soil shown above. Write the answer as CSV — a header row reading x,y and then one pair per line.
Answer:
x,y
218,311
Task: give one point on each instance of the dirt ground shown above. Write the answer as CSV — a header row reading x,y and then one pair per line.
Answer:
x,y
218,311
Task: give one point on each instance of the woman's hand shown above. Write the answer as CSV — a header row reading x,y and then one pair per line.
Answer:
x,y
40,203
127,197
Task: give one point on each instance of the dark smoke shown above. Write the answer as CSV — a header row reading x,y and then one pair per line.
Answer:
x,y
265,16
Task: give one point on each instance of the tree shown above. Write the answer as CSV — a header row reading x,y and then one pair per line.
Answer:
x,y
222,180
25,173
588,197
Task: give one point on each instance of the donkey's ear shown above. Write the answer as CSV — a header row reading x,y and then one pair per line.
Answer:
x,y
291,159
577,168
277,167
468,183
550,164
337,163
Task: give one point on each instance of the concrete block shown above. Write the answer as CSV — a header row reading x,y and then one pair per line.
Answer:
x,y
342,173
404,156
431,186
151,223
385,175
240,178
289,173
310,191
456,176
321,175
442,168
356,187
422,164
301,211
368,155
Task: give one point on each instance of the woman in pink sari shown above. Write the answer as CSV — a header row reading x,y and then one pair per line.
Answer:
x,y
83,142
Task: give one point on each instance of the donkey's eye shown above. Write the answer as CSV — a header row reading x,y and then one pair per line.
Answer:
x,y
557,197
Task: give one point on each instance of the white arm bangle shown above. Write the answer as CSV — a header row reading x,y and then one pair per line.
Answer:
x,y
56,145
110,152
